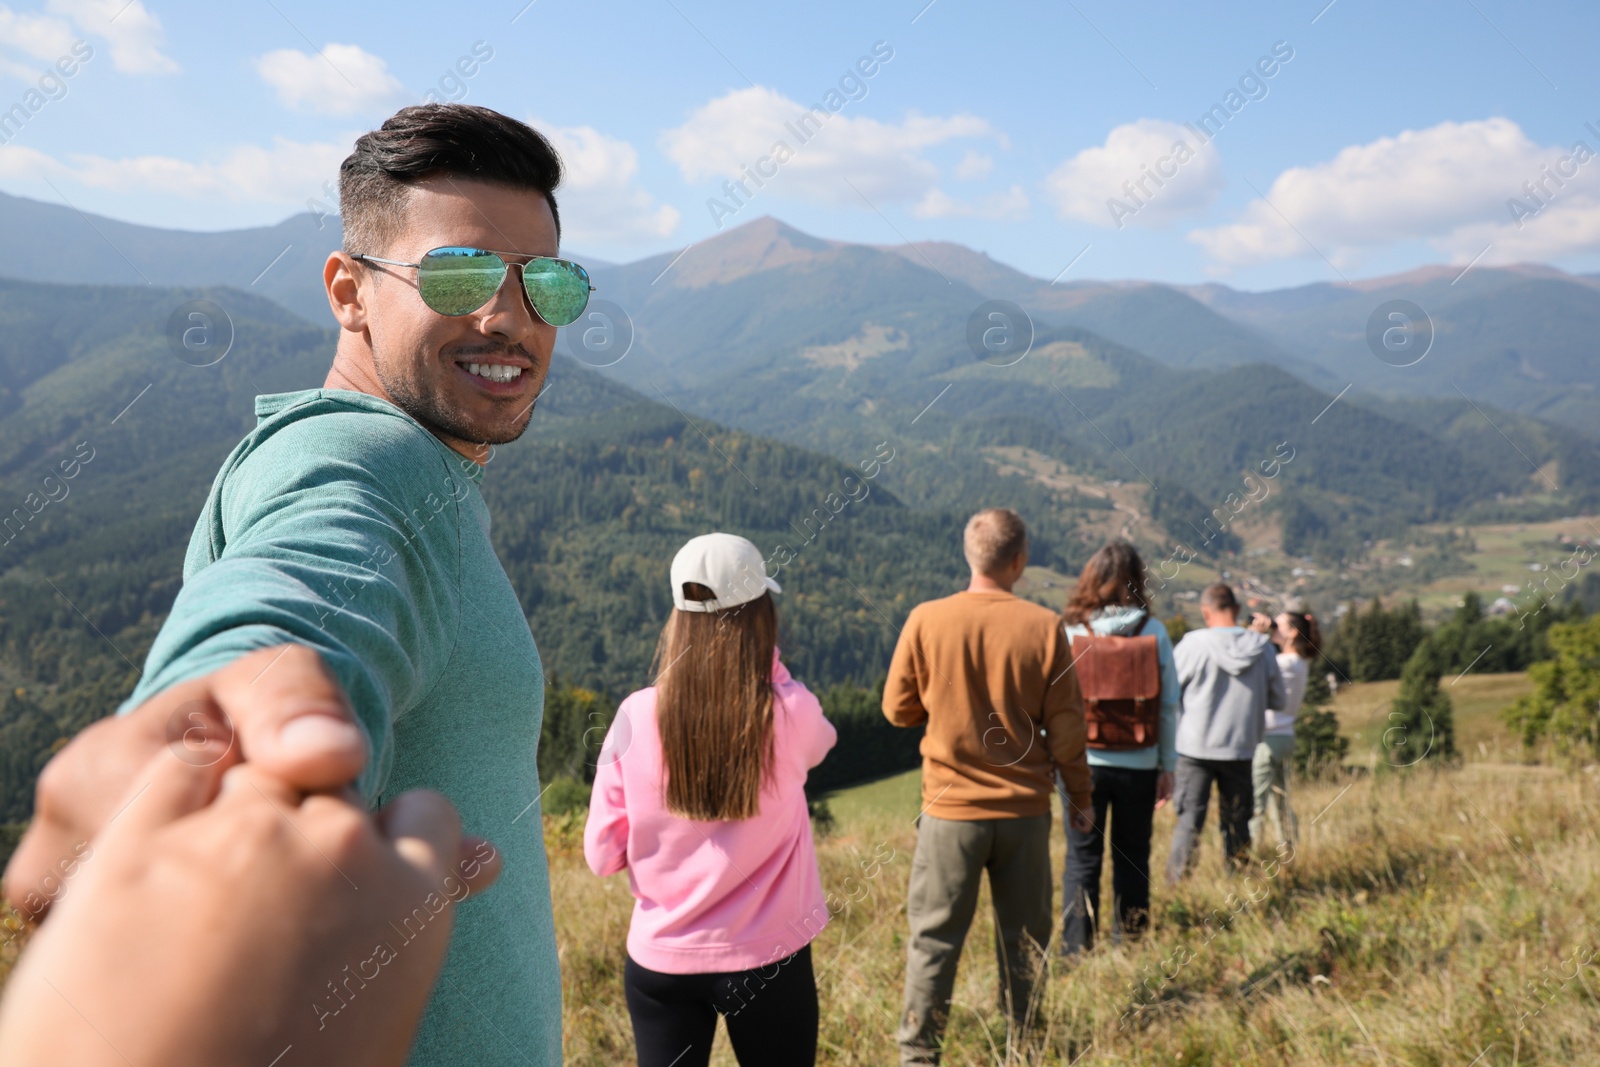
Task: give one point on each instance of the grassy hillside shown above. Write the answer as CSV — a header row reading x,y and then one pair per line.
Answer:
x,y
1406,928
1477,701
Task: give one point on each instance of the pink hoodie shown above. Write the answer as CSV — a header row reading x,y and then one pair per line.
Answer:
x,y
711,896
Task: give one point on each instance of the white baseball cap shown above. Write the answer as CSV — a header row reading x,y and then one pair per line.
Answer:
x,y
728,565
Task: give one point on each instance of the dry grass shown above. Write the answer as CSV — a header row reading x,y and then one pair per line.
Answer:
x,y
1404,930
1407,929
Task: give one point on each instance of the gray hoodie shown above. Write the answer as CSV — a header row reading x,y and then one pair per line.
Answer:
x,y
1230,678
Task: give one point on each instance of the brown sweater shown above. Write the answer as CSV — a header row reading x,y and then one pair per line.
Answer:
x,y
991,674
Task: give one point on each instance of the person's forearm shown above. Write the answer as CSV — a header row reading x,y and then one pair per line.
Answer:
x,y
902,701
907,713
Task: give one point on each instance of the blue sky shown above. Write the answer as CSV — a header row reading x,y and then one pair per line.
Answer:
x,y
1389,138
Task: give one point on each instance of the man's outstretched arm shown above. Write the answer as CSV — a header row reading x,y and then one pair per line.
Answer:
x,y
317,553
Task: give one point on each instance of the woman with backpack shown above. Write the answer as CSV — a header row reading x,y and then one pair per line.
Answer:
x,y
700,795
1123,659
1294,631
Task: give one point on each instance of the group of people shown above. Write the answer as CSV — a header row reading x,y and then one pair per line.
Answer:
x,y
700,792
276,852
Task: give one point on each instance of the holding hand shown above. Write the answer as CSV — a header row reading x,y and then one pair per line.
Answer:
x,y
223,916
278,708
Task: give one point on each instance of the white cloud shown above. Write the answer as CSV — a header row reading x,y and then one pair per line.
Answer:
x,y
1447,184
600,196
40,36
287,173
1148,173
342,79
135,35
1008,205
19,161
883,160
974,165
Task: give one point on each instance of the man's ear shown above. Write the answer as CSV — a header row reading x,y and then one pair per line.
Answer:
x,y
341,276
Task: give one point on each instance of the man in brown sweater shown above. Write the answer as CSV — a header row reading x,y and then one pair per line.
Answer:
x,y
991,676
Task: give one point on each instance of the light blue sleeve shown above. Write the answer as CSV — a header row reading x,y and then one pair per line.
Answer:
x,y
1171,694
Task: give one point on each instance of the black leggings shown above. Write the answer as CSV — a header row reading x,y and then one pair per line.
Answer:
x,y
771,1013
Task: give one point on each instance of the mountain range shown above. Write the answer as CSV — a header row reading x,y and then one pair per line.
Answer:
x,y
1519,338
737,385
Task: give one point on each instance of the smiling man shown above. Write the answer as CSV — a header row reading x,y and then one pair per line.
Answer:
x,y
350,521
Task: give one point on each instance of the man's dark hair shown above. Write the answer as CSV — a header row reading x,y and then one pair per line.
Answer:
x,y
1218,596
427,140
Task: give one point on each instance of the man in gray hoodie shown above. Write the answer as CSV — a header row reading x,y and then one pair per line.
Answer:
x,y
1230,678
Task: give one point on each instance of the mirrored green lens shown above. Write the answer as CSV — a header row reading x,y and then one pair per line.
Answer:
x,y
459,281
558,289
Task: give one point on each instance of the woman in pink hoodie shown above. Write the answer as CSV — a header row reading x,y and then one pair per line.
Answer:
x,y
700,794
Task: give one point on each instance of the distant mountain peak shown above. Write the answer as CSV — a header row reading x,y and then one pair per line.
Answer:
x,y
762,244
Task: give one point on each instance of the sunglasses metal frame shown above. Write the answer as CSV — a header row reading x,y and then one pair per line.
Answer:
x,y
518,260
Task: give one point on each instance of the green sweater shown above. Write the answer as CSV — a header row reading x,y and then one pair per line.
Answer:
x,y
341,523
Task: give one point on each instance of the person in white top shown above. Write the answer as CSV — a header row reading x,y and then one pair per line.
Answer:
x,y
1295,634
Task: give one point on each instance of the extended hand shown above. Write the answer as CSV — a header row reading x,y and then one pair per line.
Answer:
x,y
278,708
1082,819
224,917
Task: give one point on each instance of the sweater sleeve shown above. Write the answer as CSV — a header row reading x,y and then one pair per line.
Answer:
x,y
813,736
605,834
352,551
1171,697
1064,726
902,691
1277,695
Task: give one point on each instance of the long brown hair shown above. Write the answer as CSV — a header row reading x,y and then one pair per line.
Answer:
x,y
1114,575
1306,635
714,706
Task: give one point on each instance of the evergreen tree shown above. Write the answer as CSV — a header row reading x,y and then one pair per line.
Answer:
x,y
1318,745
1318,692
1564,706
574,726
1471,639
1421,722
1374,645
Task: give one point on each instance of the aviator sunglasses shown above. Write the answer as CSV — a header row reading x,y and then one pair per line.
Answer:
x,y
458,281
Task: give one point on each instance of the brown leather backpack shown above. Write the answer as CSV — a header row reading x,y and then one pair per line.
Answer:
x,y
1121,682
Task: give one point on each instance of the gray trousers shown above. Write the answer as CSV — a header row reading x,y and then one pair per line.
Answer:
x,y
1270,771
949,863
1191,796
